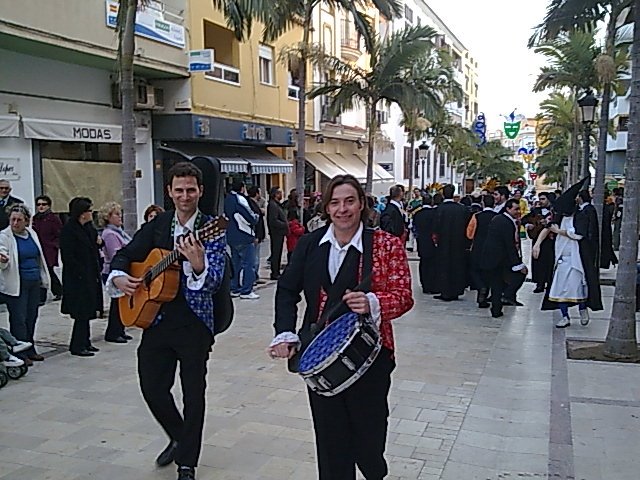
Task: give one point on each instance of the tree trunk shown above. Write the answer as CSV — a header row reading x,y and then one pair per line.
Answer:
x,y
301,152
412,172
128,148
372,125
574,161
621,338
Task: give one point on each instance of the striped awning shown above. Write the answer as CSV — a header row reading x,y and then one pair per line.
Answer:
x,y
233,164
274,165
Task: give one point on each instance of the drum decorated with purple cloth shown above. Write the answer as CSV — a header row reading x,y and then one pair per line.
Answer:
x,y
340,354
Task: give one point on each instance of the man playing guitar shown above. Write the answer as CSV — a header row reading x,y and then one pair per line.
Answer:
x,y
183,329
350,427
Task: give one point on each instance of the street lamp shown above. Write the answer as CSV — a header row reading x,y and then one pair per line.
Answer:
x,y
423,154
587,105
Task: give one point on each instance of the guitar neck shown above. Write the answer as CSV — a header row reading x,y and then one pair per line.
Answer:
x,y
163,264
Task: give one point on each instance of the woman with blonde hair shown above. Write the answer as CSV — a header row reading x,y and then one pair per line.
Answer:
x,y
114,238
23,271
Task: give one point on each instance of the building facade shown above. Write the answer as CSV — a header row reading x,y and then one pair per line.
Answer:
x,y
437,168
60,128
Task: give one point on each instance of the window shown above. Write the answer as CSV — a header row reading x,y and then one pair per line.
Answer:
x,y
441,163
623,124
408,14
226,67
407,163
293,88
265,59
327,39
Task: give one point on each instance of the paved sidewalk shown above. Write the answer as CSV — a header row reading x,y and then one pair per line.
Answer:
x,y
472,398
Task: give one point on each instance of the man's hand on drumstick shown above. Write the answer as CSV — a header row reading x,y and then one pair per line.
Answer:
x,y
358,302
282,350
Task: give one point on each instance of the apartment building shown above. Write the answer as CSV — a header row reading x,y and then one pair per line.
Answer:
x,y
437,168
59,130
337,144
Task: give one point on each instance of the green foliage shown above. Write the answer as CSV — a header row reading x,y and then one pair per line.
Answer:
x,y
494,160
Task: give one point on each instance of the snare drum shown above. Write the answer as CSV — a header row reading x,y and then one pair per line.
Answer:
x,y
340,354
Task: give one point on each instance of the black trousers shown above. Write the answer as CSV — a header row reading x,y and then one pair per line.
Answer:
x,y
277,242
115,328
351,427
514,282
503,283
428,275
56,286
159,352
80,335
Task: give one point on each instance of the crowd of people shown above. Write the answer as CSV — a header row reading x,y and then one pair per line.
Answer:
x,y
475,242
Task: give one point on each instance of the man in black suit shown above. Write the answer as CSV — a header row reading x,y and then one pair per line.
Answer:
x,y
183,329
501,257
6,202
423,223
278,229
392,219
450,231
478,232
500,196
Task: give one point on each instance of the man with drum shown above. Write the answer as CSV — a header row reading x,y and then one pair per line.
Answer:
x,y
342,268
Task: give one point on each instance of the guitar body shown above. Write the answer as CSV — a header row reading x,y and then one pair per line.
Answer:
x,y
141,309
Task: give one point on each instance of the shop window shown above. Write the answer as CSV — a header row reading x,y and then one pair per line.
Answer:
x,y
265,59
226,53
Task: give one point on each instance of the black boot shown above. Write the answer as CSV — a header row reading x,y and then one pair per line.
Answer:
x,y
482,298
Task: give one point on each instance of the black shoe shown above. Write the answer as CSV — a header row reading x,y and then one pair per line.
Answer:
x,y
186,473
484,305
497,315
274,277
91,348
116,340
167,455
127,337
511,303
83,353
445,299
538,289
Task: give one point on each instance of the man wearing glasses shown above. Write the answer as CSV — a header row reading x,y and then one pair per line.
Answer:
x,y
6,201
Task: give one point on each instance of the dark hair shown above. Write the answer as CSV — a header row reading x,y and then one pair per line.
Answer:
x,y
448,191
511,202
502,190
46,198
253,191
370,201
488,201
427,199
337,181
150,209
395,192
584,195
437,199
237,186
79,205
292,214
185,169
273,191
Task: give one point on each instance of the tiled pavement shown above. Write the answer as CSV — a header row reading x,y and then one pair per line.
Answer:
x,y
472,398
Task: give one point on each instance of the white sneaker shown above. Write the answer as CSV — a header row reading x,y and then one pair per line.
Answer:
x,y
13,362
234,295
250,296
563,323
584,317
21,346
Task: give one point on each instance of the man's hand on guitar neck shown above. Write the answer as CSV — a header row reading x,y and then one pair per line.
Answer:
x,y
193,250
126,283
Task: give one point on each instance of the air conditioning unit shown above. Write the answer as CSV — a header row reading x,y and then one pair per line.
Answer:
x,y
147,97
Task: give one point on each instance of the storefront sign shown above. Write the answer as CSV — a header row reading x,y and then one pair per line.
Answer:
x,y
257,133
9,168
201,60
150,23
76,131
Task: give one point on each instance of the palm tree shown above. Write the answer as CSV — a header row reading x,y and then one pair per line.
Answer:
x,y
280,16
571,67
239,17
387,79
566,15
494,160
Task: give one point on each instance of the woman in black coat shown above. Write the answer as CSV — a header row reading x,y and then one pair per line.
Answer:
x,y
80,275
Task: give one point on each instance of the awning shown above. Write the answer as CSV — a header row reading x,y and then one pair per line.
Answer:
x,y
323,164
233,164
351,164
69,131
379,173
9,126
263,161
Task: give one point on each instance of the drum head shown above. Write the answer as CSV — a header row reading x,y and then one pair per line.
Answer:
x,y
328,341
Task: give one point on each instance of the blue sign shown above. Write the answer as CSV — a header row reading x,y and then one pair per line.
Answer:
x,y
201,60
480,129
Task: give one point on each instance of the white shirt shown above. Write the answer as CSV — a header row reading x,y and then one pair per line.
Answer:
x,y
520,266
337,254
195,281
582,205
498,208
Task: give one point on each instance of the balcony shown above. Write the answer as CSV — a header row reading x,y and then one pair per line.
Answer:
x,y
326,115
225,74
350,50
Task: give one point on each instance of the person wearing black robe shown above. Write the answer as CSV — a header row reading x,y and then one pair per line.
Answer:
x,y
392,218
450,230
541,267
607,254
423,224
478,233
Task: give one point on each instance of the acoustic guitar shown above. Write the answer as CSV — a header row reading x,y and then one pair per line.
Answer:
x,y
160,273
